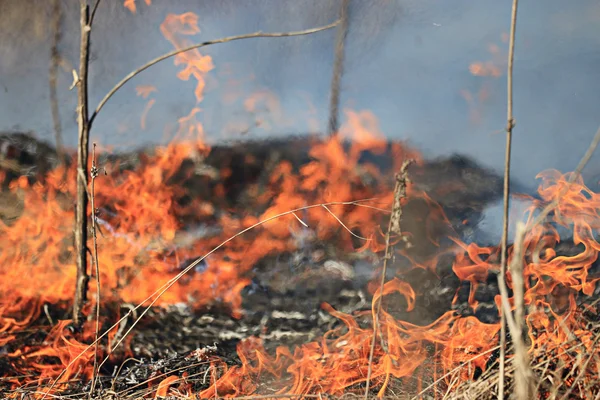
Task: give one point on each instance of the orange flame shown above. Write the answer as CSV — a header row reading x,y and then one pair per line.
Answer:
x,y
175,28
141,216
131,6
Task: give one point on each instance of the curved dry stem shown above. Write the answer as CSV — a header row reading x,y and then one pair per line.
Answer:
x,y
343,225
393,226
166,286
94,12
94,175
132,74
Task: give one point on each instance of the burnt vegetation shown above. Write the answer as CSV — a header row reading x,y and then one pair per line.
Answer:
x,y
306,267
282,301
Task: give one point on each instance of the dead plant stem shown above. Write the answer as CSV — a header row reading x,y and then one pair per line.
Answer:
x,y
509,128
94,175
94,12
393,226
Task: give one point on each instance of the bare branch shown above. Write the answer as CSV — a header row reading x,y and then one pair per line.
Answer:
x,y
132,74
394,226
94,12
82,160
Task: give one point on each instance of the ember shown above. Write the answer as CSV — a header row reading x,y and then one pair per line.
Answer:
x,y
259,265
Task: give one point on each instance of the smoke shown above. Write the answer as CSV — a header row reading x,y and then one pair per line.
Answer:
x,y
408,62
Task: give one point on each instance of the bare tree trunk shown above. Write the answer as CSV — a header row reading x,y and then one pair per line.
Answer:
x,y
53,77
338,69
82,161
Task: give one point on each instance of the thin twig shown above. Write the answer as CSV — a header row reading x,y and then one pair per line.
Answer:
x,y
344,226
137,71
94,175
299,220
82,160
94,12
158,293
509,128
393,226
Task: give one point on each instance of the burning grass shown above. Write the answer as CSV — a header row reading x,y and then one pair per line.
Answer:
x,y
174,205
135,259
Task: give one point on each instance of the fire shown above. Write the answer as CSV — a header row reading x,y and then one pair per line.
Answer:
x,y
175,28
494,67
142,214
131,6
144,91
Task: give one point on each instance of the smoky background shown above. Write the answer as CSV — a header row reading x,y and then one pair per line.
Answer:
x,y
409,62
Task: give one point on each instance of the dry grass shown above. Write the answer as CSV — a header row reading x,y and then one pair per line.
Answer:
x,y
555,378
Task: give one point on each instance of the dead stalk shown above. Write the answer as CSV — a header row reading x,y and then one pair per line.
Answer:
x,y
394,226
94,175
82,161
338,69
509,128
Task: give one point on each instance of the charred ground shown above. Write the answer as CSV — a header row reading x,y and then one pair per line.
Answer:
x,y
282,304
